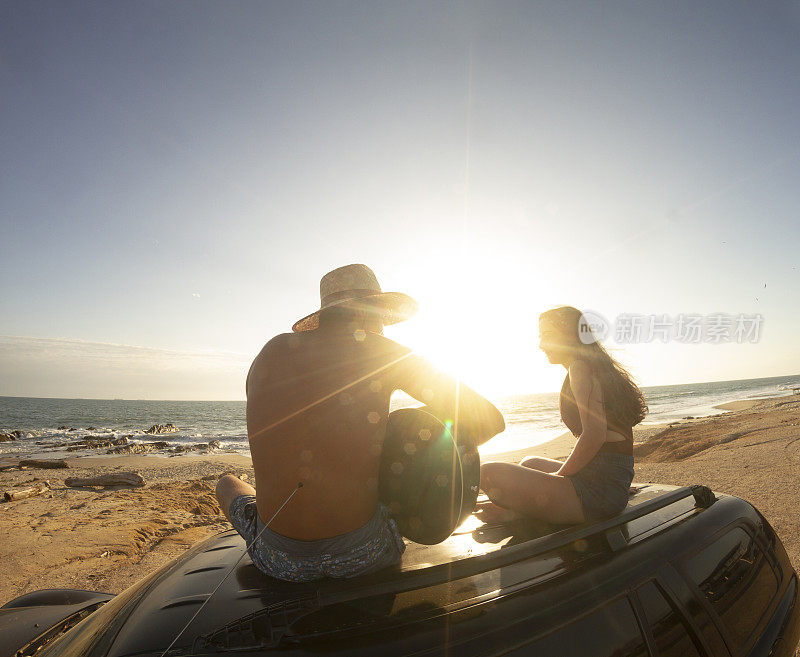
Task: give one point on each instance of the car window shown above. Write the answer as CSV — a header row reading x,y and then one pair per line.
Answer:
x,y
672,635
734,575
610,630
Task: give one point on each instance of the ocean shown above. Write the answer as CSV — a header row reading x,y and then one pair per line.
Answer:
x,y
530,419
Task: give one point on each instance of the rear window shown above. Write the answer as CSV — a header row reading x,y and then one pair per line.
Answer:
x,y
734,575
671,634
610,630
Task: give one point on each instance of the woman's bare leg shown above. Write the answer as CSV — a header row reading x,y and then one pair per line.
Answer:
x,y
531,493
541,464
489,512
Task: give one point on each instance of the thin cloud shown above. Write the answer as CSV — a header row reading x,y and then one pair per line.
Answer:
x,y
69,367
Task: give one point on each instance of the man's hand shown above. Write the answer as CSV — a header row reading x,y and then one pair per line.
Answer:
x,y
470,414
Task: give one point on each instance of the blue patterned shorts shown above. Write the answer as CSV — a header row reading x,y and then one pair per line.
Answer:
x,y
372,547
603,485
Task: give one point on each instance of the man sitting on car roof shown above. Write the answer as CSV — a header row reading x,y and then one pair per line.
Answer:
x,y
317,409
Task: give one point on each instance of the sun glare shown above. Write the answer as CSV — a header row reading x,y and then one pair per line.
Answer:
x,y
469,326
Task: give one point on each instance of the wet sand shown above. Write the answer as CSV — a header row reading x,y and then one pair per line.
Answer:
x,y
106,539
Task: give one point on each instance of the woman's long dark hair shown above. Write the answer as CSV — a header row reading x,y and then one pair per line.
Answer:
x,y
624,403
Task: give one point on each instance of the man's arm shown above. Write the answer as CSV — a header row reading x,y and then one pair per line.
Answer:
x,y
474,417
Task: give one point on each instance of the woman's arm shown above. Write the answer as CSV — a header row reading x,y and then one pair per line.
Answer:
x,y
589,398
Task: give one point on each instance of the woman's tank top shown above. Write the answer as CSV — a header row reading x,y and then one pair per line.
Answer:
x,y
570,415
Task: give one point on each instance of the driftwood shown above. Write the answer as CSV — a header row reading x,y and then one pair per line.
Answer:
x,y
14,495
41,463
114,479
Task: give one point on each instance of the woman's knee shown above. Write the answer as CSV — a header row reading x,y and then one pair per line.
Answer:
x,y
539,463
493,481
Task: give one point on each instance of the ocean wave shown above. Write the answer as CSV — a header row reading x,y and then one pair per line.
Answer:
x,y
528,417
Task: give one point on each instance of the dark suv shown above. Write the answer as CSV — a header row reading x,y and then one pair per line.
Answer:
x,y
680,572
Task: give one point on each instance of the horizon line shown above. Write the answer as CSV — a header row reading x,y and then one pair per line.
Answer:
x,y
513,394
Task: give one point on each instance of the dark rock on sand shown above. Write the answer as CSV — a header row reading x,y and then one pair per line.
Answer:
x,y
64,427
162,428
91,428
129,479
139,448
6,437
42,463
19,433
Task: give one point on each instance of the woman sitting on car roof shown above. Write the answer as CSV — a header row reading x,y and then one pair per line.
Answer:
x,y
600,405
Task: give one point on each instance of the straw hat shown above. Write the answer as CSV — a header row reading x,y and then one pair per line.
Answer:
x,y
355,286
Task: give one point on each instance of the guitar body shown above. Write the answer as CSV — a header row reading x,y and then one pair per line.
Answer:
x,y
429,482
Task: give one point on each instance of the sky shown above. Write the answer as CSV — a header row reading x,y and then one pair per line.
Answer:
x,y
176,178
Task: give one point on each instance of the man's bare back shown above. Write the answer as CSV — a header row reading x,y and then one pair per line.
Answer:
x,y
317,406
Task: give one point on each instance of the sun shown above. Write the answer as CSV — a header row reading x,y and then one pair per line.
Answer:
x,y
472,327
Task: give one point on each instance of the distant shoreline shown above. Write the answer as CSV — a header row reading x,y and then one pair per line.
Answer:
x,y
51,427
560,447
497,397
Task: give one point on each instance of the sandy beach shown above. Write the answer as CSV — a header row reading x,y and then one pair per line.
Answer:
x,y
106,539
752,451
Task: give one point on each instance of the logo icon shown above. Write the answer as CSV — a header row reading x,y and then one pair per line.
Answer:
x,y
592,327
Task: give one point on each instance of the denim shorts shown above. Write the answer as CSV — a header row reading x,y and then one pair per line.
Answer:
x,y
373,546
603,485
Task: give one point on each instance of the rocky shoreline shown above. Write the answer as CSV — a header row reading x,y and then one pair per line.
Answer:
x,y
105,441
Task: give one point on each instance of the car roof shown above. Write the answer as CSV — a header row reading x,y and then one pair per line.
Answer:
x,y
474,551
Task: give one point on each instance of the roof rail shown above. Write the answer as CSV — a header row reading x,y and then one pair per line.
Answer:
x,y
703,497
278,617
468,566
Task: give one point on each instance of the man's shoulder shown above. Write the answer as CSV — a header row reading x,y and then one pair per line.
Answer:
x,y
382,345
278,343
377,344
271,349
281,340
